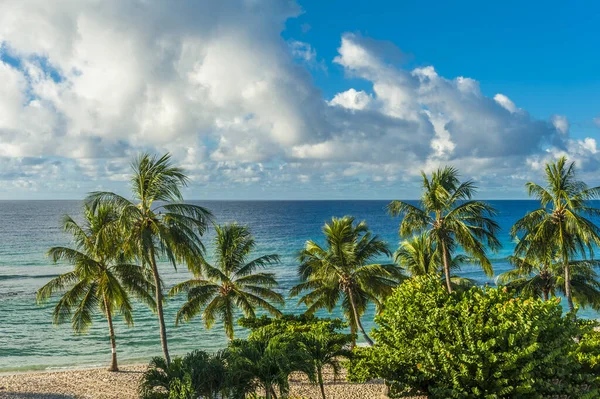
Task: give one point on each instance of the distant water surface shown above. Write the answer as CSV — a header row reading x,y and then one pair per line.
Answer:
x,y
28,340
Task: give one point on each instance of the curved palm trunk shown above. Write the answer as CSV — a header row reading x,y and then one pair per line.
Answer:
x,y
446,267
159,308
568,292
113,342
357,318
567,267
321,384
353,332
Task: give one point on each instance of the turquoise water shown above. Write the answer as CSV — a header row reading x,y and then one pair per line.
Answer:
x,y
28,340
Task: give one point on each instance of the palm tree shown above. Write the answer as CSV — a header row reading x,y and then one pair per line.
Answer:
x,y
268,360
419,256
100,279
231,283
561,221
343,269
198,374
325,347
451,218
543,276
171,229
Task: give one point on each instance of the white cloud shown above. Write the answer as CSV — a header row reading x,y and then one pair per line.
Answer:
x,y
215,84
302,50
505,102
352,99
561,123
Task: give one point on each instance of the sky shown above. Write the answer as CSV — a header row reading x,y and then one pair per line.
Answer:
x,y
306,99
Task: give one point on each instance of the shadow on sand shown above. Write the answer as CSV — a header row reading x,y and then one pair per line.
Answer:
x,y
33,395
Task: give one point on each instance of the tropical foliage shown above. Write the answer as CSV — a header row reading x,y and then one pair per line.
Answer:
x,y
481,343
477,342
267,359
587,352
232,283
543,277
562,222
325,348
101,279
156,223
452,219
345,269
419,256
197,375
321,341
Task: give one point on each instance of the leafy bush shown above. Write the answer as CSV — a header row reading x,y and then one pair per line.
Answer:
x,y
588,350
483,343
290,323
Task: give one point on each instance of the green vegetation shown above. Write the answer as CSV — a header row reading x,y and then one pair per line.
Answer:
x,y
232,283
451,219
481,343
560,223
101,277
544,277
438,334
344,269
319,342
419,256
198,374
171,229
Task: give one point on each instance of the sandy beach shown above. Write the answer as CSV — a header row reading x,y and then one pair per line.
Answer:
x,y
101,384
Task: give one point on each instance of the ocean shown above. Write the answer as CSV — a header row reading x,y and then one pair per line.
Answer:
x,y
29,340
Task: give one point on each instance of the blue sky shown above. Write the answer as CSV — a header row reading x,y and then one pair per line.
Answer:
x,y
542,54
296,99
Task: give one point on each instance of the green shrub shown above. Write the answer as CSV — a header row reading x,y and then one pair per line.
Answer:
x,y
289,323
588,351
482,343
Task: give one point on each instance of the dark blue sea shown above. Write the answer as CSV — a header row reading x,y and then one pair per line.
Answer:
x,y
28,340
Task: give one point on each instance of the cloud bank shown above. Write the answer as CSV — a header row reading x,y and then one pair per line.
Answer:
x,y
89,84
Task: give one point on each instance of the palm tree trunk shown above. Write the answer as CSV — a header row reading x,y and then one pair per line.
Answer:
x,y
545,293
353,332
565,259
159,308
267,392
321,385
111,332
446,267
568,293
357,318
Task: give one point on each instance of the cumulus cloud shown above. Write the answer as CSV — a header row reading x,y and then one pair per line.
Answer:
x,y
87,84
352,99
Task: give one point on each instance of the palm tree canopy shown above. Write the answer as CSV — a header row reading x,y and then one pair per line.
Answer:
x,y
563,218
419,256
101,275
452,219
157,220
539,276
563,221
343,266
233,282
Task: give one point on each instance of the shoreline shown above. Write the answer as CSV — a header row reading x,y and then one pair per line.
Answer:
x,y
68,369
99,383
